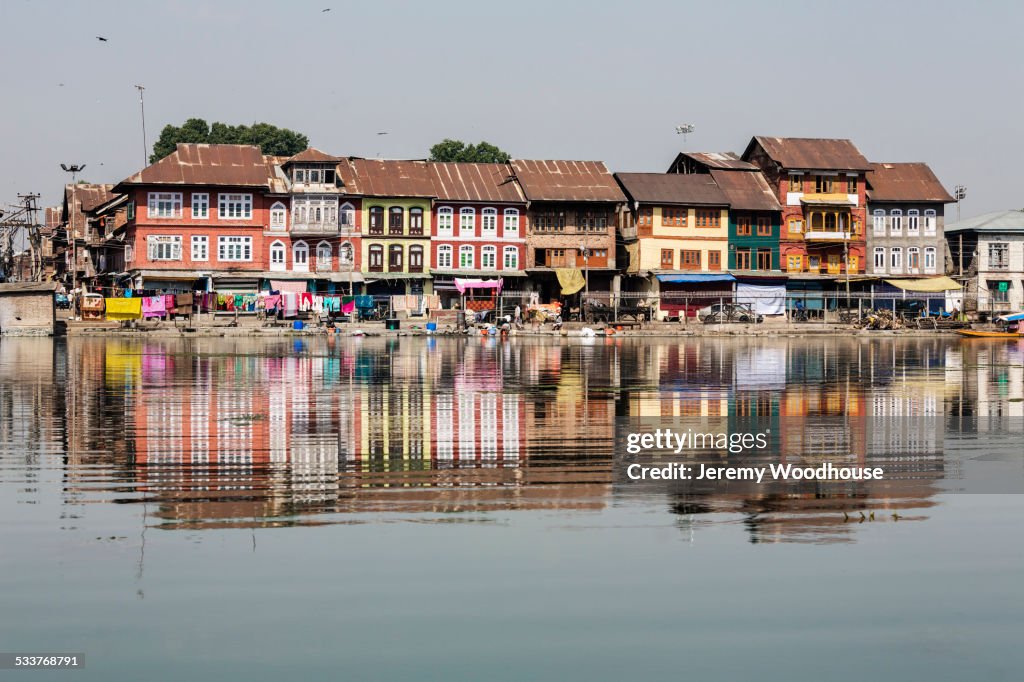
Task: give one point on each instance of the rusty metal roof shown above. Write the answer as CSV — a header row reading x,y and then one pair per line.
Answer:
x,y
478,182
746,190
87,197
386,178
566,181
724,160
312,155
905,182
810,153
229,165
672,188
277,179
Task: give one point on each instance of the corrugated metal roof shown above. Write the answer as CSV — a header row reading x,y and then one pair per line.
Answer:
x,y
811,153
905,182
672,188
723,160
312,155
231,165
566,181
746,190
999,221
478,182
277,179
87,197
386,178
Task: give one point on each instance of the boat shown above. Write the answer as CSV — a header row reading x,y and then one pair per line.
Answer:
x,y
979,334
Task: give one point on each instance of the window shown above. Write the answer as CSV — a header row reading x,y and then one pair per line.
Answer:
x,y
300,256
689,260
234,248
813,263
277,216
324,256
830,222
347,217
200,248
929,259
851,184
1000,290
929,222
796,182
913,259
913,222
164,247
896,222
879,259
743,226
489,221
823,184
395,252
444,256
714,260
466,257
549,222
164,205
376,220
489,257
131,211
817,222
467,222
376,257
667,259
277,256
673,217
742,259
794,262
200,206
396,220
764,259
511,258
555,258
314,176
416,258
299,175
896,260
796,226
511,222
416,221
764,227
645,216
878,222
998,256
708,218
234,206
592,222
444,220
346,254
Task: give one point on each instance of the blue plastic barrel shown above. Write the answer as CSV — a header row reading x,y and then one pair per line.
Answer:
x,y
431,326
297,324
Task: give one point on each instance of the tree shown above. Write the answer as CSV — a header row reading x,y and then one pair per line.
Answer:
x,y
457,150
269,138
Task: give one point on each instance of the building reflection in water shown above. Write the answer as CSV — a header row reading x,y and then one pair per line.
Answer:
x,y
222,432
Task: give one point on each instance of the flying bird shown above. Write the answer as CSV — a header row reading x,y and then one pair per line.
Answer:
x,y
101,39
325,10
382,133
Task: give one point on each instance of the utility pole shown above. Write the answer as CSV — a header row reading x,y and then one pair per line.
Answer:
x,y
142,109
74,169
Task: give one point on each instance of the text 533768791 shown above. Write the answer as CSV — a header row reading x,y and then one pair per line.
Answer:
x,y
18,660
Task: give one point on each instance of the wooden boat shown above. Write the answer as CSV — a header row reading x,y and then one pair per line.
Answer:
x,y
978,334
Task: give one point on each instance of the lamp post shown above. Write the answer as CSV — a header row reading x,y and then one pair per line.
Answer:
x,y
74,169
959,193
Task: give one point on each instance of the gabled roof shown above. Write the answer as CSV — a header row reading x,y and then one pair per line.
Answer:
x,y
229,165
566,181
905,182
746,190
810,153
87,197
672,188
479,182
723,160
312,155
999,221
386,178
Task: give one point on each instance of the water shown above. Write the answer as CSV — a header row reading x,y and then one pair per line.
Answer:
x,y
456,509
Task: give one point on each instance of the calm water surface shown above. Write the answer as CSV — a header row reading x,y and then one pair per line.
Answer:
x,y
451,509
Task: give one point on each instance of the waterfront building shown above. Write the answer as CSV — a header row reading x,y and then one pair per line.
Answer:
x,y
570,226
395,199
90,215
476,226
988,259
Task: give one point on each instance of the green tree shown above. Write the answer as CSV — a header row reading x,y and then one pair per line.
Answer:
x,y
457,150
269,138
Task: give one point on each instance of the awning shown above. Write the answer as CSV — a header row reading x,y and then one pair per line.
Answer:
x,y
288,286
695,278
462,284
570,279
1016,317
929,284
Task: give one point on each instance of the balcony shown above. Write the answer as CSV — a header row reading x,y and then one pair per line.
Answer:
x,y
826,236
315,228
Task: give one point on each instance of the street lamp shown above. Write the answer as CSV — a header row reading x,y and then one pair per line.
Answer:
x,y
74,169
959,193
684,130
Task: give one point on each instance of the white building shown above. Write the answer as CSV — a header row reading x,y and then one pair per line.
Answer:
x,y
988,258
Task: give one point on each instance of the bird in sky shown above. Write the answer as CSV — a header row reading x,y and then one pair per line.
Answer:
x,y
325,10
382,133
101,39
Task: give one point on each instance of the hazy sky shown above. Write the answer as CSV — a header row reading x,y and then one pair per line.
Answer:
x,y
921,81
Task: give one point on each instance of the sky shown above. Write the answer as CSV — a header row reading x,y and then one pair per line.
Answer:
x,y
906,81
